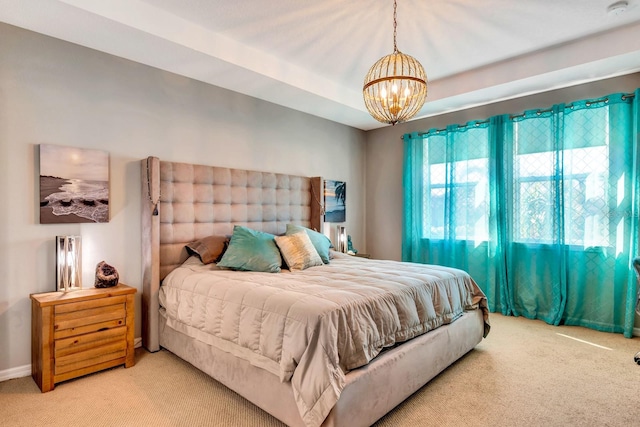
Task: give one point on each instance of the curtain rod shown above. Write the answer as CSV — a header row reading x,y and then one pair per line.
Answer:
x,y
588,104
515,116
459,127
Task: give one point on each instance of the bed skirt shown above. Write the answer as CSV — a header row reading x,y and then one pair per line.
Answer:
x,y
370,391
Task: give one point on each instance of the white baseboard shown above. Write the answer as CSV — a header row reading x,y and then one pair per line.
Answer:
x,y
25,371
19,372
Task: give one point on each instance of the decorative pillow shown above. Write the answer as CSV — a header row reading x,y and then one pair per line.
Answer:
x,y
251,250
209,249
298,251
319,240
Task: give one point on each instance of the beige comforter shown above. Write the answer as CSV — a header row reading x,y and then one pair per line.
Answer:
x,y
311,327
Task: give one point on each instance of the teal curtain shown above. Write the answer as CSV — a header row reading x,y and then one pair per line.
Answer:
x,y
541,208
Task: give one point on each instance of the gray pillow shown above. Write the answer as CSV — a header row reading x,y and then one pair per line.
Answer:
x,y
209,249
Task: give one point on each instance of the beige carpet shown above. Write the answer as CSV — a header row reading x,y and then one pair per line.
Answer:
x,y
524,374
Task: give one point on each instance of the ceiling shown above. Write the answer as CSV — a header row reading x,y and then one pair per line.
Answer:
x,y
312,56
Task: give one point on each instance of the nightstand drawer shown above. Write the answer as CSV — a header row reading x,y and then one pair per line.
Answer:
x,y
79,343
85,305
93,327
92,356
89,316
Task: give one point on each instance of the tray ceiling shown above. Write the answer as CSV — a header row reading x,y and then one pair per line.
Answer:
x,y
312,56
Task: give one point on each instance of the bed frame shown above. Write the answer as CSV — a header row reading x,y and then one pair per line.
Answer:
x,y
183,202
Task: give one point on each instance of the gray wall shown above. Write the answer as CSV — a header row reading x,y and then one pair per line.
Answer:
x,y
385,155
54,92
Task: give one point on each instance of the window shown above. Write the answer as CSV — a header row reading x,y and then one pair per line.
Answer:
x,y
456,186
541,173
561,185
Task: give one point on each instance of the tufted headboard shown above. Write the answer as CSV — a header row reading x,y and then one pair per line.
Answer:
x,y
184,202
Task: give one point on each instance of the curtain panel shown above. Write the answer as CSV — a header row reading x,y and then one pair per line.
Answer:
x,y
541,208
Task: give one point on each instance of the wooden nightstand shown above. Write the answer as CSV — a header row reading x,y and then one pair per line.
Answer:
x,y
80,332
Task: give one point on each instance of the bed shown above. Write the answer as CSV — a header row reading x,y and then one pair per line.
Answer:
x,y
330,371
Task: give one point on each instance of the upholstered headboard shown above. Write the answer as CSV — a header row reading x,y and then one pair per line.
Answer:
x,y
184,202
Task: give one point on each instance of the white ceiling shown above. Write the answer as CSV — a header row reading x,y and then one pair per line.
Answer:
x,y
312,56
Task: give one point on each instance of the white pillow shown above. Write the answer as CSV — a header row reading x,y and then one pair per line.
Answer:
x,y
298,251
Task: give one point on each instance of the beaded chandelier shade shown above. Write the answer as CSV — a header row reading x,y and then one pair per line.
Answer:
x,y
395,87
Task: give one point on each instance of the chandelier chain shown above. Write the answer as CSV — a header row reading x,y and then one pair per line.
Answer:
x,y
395,25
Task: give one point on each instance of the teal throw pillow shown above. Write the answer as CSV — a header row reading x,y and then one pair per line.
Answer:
x,y
251,250
319,240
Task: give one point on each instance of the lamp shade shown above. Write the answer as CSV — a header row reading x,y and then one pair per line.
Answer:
x,y
68,263
341,232
395,88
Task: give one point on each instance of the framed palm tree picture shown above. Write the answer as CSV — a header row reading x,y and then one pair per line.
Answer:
x,y
335,201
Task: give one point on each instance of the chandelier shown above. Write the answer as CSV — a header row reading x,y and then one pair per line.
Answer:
x,y
395,87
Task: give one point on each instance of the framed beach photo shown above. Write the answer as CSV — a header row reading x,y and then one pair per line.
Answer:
x,y
335,201
74,185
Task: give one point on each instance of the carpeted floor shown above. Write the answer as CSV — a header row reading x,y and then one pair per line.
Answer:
x,y
526,373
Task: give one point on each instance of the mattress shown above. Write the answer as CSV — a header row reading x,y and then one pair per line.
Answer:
x,y
312,327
